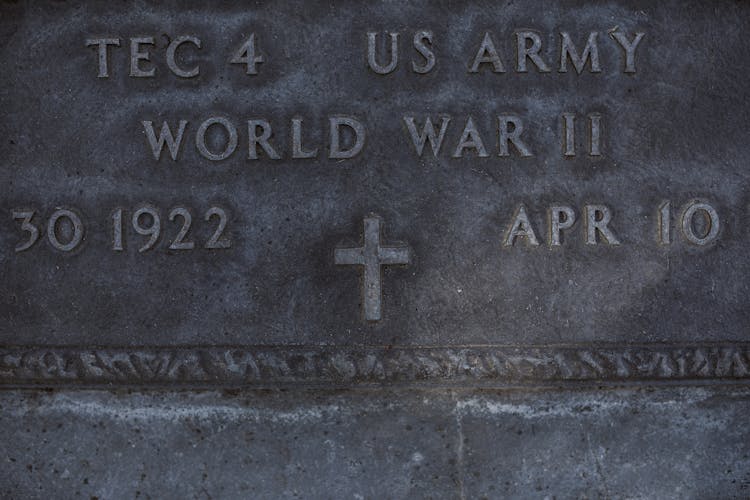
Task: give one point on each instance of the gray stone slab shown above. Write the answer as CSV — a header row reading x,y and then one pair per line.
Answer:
x,y
293,296
282,296
672,131
668,443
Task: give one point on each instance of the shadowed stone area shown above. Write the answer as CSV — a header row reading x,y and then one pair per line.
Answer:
x,y
636,443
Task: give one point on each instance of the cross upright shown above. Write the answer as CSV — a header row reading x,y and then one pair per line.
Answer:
x,y
371,256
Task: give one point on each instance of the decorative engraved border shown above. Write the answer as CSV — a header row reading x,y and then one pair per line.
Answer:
x,y
346,366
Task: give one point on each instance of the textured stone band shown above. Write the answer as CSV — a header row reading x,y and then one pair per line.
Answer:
x,y
463,365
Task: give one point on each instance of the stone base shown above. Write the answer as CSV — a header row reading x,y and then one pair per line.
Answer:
x,y
377,443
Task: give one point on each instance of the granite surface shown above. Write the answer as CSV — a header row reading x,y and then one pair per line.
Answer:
x,y
374,249
668,443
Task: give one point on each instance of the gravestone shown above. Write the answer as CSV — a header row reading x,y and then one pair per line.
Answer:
x,y
366,249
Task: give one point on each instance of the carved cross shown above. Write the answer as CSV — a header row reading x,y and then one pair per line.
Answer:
x,y
371,257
